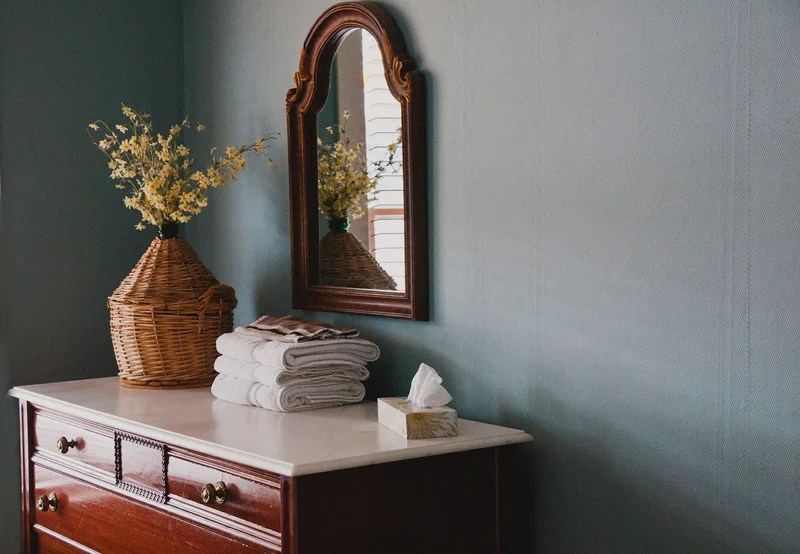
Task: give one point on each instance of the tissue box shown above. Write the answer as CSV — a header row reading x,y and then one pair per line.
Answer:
x,y
412,422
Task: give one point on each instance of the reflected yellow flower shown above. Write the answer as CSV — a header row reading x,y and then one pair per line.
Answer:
x,y
344,176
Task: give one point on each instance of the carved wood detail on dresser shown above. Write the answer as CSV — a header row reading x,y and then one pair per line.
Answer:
x,y
99,482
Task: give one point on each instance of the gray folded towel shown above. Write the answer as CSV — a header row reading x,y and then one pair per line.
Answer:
x,y
292,398
303,355
260,373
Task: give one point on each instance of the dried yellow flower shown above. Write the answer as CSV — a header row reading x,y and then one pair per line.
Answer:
x,y
157,171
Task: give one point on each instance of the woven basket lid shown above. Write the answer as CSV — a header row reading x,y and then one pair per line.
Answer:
x,y
346,262
169,271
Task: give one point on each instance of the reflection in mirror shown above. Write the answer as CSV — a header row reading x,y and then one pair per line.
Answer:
x,y
360,173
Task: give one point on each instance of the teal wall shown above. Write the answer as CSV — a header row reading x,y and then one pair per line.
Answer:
x,y
67,241
614,235
614,247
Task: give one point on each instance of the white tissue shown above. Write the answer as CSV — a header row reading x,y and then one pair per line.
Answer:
x,y
427,390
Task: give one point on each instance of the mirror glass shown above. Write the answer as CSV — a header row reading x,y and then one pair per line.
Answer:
x,y
360,173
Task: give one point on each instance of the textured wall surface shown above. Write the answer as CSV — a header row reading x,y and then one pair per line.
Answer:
x,y
67,241
614,235
614,214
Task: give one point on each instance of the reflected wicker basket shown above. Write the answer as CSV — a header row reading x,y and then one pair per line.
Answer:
x,y
346,262
166,316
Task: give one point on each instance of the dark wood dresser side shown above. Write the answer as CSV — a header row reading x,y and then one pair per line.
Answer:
x,y
430,505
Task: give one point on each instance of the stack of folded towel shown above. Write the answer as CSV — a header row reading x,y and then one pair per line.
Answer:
x,y
289,364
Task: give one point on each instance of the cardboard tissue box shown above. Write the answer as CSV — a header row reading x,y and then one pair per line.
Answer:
x,y
424,414
413,422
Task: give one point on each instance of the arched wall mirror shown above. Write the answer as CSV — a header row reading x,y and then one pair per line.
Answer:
x,y
357,153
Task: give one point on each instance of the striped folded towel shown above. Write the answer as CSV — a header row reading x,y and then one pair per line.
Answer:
x,y
294,329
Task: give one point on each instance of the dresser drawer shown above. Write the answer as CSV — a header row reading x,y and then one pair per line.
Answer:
x,y
73,440
49,544
104,521
248,497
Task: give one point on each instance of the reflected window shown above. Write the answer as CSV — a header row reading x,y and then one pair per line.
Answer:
x,y
382,114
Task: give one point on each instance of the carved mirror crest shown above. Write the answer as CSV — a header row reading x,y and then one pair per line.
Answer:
x,y
357,153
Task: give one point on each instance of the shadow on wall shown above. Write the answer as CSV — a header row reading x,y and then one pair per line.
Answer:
x,y
9,451
600,507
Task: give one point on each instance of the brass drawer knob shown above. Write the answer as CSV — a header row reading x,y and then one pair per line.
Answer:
x,y
217,492
49,502
64,445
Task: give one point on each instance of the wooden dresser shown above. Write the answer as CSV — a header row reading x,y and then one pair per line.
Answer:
x,y
111,469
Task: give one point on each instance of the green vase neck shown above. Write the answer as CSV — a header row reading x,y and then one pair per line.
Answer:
x,y
338,224
168,230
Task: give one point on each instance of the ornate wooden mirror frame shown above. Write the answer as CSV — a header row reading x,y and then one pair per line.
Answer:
x,y
407,85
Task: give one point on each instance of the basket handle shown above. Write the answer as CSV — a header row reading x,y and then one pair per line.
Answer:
x,y
217,291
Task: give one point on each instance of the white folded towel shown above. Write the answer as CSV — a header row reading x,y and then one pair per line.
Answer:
x,y
238,346
282,355
259,373
292,398
232,389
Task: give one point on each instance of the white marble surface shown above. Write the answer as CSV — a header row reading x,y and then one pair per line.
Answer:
x,y
290,444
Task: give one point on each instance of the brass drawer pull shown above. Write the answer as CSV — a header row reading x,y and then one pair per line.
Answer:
x,y
49,502
64,445
217,492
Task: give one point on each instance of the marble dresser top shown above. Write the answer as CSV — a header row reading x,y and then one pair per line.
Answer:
x,y
290,444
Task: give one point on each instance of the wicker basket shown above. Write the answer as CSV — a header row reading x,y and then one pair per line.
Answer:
x,y
165,319
346,262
